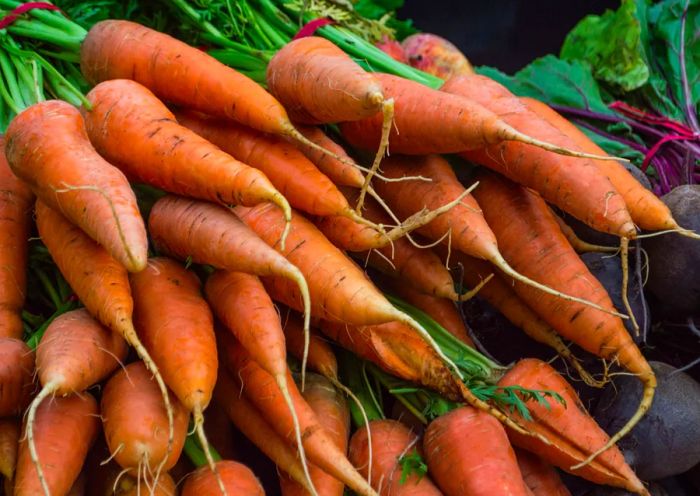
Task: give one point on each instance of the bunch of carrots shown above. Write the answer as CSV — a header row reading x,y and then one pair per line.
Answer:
x,y
203,243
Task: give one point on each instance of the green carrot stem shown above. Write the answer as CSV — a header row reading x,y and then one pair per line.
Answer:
x,y
195,453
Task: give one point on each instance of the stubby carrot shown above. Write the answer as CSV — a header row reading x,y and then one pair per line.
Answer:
x,y
165,154
572,431
236,477
9,444
16,376
16,201
47,146
65,428
390,441
468,452
533,243
182,344
540,477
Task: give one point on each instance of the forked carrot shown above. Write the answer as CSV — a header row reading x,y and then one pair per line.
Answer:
x,y
16,376
540,477
47,146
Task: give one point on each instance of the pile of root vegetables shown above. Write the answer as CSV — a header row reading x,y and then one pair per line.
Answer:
x,y
189,258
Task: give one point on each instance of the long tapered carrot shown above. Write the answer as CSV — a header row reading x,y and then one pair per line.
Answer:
x,y
540,477
245,309
528,218
165,154
464,226
569,424
334,415
74,353
236,477
390,441
65,429
101,284
47,146
182,345
16,376
9,444
261,389
468,452
560,180
16,201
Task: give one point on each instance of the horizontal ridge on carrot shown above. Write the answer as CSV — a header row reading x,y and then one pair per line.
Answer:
x,y
47,146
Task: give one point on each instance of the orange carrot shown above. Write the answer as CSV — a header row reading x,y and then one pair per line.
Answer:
x,y
560,180
251,422
90,192
468,452
136,425
320,358
16,376
646,209
540,477
182,344
101,284
533,243
390,441
16,201
333,414
237,479
574,434
64,431
262,390
9,443
165,154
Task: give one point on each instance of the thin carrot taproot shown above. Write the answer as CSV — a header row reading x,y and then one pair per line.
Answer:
x,y
165,154
533,243
182,343
82,185
101,284
16,376
577,243
540,477
320,357
9,444
16,201
237,479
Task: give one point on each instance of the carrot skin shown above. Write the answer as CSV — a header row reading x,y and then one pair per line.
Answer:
x,y
133,416
64,431
390,440
16,202
540,477
16,376
468,452
87,189
9,444
176,326
321,357
236,477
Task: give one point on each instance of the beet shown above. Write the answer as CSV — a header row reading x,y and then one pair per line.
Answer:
x,y
666,441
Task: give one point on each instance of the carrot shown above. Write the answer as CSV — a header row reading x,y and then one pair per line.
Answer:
x,y
320,358
101,284
262,390
573,432
468,452
182,344
465,225
390,441
237,478
560,180
64,431
540,477
577,243
334,415
16,201
89,191
9,443
430,121
137,487
74,353
532,241
165,154
241,304
645,208
250,421
136,425
16,376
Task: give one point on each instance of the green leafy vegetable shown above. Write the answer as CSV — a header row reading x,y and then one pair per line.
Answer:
x,y
412,463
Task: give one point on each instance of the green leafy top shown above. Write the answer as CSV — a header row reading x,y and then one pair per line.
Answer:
x,y
412,464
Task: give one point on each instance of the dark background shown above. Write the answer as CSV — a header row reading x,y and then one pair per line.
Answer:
x,y
502,33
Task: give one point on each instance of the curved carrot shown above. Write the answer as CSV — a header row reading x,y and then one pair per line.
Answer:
x,y
65,429
236,477
468,452
47,146
9,444
16,201
517,214
540,477
16,376
573,432
320,358
560,180
390,441
182,345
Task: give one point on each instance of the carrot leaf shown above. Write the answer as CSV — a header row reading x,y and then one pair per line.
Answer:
x,y
412,464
